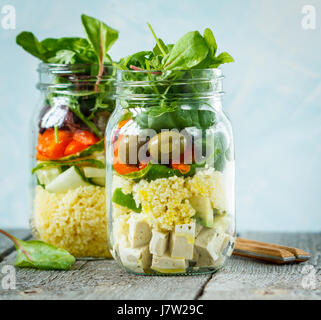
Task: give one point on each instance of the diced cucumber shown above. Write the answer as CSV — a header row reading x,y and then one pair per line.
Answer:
x,y
69,179
45,176
98,181
125,200
204,210
91,172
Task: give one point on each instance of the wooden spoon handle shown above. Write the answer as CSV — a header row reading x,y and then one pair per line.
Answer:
x,y
268,252
300,254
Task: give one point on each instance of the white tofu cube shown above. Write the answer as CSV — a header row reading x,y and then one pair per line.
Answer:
x,y
139,231
159,242
135,259
222,223
209,246
182,241
198,229
167,264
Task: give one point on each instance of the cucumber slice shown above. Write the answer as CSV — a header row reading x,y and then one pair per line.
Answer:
x,y
91,172
125,200
204,211
45,176
69,179
98,181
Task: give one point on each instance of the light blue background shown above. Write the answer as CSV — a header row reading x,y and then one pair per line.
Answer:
x,y
273,95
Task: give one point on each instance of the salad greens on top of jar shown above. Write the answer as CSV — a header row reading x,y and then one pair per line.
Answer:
x,y
77,97
170,160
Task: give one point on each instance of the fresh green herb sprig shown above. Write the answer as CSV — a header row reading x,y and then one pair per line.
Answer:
x,y
192,51
100,38
40,255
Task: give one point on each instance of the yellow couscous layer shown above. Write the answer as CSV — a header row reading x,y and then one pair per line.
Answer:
x,y
75,220
165,201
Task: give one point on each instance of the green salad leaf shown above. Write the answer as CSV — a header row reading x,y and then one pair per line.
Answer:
x,y
56,163
40,255
157,118
187,53
125,200
101,37
29,42
72,50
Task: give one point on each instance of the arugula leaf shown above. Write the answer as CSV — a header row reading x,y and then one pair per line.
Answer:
x,y
161,47
74,106
40,255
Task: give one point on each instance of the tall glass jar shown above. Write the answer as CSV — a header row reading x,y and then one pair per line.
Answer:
x,y
170,163
68,158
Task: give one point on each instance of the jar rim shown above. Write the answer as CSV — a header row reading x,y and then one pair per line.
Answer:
x,y
214,71
77,75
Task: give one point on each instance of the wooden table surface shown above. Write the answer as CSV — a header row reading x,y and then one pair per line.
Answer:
x,y
240,279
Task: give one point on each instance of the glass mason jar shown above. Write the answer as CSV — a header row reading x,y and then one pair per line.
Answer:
x,y
170,163
68,157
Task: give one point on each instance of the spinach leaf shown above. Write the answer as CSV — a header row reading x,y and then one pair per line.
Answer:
x,y
156,118
188,52
100,36
222,58
83,52
40,255
158,171
210,40
29,42
220,147
125,200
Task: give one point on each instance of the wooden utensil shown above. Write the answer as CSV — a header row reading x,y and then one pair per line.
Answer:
x,y
269,252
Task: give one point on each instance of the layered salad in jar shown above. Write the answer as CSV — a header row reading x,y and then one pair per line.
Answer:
x,y
77,98
172,162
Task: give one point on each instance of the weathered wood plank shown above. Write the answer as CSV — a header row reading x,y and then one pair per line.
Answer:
x,y
100,279
247,279
240,279
6,245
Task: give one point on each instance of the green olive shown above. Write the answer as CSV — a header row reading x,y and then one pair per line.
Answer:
x,y
167,144
128,149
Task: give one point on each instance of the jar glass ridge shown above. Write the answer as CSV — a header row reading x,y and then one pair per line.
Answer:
x,y
170,160
68,157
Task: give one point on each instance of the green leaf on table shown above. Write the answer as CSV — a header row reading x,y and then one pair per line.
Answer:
x,y
40,255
